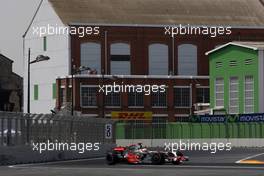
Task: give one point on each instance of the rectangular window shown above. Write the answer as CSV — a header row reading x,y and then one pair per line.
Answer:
x,y
187,59
202,95
120,59
182,118
233,95
54,90
62,96
182,97
113,99
88,96
249,94
136,99
69,94
45,43
36,92
159,99
219,92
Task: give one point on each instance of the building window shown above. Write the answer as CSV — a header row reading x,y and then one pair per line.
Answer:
x,y
69,93
135,99
160,120
233,95
187,59
219,92
159,99
54,90
62,96
45,43
88,96
249,94
158,59
91,55
182,97
182,118
202,95
36,92
113,99
120,59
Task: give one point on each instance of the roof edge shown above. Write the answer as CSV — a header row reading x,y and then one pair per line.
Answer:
x,y
33,18
230,43
262,2
6,58
141,76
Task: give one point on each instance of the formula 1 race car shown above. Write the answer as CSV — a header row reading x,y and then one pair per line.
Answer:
x,y
137,154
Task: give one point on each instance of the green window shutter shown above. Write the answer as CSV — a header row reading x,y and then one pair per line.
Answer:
x,y
54,90
36,92
45,43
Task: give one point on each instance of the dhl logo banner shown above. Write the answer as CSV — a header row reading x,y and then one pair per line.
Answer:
x,y
123,115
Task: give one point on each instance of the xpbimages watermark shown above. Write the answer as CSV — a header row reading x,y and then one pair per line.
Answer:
x,y
146,89
80,31
212,31
63,146
212,147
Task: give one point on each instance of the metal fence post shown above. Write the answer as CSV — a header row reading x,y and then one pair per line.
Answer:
x,y
9,132
152,134
27,128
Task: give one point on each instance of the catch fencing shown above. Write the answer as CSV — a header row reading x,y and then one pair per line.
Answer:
x,y
22,129
19,132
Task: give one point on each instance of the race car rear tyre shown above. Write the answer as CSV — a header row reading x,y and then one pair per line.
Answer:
x,y
111,159
156,158
176,162
162,161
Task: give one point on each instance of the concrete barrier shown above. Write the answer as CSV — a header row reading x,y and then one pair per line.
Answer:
x,y
25,154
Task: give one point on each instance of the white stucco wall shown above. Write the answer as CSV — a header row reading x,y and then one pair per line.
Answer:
x,y
44,74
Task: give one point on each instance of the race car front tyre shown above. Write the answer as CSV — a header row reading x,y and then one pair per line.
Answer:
x,y
111,159
158,158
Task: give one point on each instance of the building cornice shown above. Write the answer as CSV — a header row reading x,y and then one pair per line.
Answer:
x,y
84,76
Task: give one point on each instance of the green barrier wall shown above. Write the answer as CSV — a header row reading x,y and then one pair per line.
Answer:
x,y
189,130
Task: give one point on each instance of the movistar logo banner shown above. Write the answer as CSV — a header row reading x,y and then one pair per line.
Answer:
x,y
256,117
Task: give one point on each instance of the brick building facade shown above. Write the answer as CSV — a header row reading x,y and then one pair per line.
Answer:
x,y
184,88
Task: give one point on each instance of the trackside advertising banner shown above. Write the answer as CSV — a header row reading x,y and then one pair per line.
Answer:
x,y
257,117
126,115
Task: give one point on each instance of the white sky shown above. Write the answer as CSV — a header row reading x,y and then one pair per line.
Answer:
x,y
15,16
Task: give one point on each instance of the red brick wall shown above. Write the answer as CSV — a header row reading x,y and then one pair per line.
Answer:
x,y
170,109
139,39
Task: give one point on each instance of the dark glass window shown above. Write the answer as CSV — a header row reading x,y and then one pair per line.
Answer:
x,y
202,95
182,97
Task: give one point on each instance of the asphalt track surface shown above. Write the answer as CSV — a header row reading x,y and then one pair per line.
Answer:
x,y
237,162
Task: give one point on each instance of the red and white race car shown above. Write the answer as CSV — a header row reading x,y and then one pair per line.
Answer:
x,y
137,154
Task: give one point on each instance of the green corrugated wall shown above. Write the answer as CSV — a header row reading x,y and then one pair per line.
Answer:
x,y
189,130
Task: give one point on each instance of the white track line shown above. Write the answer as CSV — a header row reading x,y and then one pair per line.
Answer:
x,y
146,167
249,157
55,162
